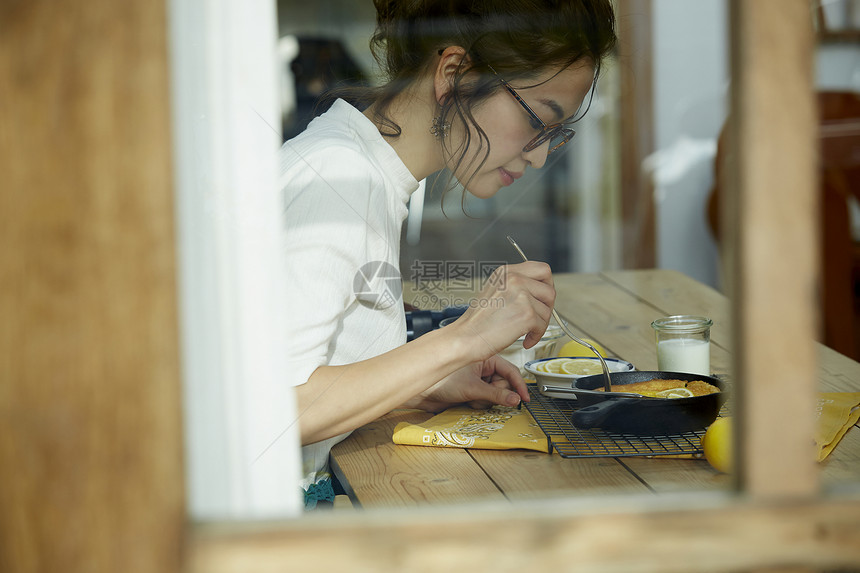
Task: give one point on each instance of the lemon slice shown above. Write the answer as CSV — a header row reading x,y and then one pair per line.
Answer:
x,y
552,366
675,393
581,367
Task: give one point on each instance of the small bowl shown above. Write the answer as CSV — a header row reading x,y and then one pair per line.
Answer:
x,y
565,380
519,356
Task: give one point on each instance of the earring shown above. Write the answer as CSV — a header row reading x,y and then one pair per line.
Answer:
x,y
439,128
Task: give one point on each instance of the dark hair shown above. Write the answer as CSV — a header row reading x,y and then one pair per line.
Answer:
x,y
518,38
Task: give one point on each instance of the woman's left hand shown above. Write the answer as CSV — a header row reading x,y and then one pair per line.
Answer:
x,y
480,385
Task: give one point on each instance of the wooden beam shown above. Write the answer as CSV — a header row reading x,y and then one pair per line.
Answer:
x,y
772,206
627,534
636,118
90,433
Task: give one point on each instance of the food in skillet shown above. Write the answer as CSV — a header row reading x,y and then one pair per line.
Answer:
x,y
662,388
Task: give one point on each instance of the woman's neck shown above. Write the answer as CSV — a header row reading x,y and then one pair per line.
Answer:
x,y
413,111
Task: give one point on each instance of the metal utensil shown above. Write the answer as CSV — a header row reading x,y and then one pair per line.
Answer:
x,y
574,393
607,382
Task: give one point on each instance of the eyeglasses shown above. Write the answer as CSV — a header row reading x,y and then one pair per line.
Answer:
x,y
556,134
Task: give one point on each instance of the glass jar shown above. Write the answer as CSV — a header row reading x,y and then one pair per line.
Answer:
x,y
684,344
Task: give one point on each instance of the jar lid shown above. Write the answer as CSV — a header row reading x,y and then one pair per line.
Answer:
x,y
685,323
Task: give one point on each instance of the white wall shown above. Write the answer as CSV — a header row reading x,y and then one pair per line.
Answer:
x,y
691,75
838,67
691,72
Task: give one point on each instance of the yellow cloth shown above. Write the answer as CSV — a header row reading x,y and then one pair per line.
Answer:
x,y
499,428
837,412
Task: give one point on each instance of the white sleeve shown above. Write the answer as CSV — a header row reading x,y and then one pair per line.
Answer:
x,y
328,209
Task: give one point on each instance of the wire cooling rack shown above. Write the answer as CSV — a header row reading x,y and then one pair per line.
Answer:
x,y
553,417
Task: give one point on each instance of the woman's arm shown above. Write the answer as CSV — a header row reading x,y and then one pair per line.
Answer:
x,y
337,399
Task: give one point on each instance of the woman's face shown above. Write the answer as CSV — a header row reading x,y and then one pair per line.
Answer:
x,y
554,98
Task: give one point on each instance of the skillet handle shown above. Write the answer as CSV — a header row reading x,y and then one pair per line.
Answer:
x,y
593,416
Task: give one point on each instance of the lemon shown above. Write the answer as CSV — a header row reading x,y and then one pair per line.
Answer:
x,y
573,348
581,367
551,366
717,444
675,393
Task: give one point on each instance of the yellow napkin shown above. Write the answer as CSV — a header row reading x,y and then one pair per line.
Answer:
x,y
499,428
837,412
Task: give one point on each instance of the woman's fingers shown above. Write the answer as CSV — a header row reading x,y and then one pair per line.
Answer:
x,y
502,384
519,301
535,269
541,312
507,375
496,392
534,277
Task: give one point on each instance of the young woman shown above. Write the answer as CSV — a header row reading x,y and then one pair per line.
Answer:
x,y
483,88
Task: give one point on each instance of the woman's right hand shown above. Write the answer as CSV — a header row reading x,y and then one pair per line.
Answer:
x,y
516,300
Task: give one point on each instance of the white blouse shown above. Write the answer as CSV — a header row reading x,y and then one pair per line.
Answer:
x,y
346,193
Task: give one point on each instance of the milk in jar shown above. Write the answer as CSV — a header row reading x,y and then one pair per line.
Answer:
x,y
683,344
684,355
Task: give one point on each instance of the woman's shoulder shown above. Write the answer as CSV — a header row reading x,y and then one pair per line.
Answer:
x,y
330,143
323,153
340,129
329,162
343,154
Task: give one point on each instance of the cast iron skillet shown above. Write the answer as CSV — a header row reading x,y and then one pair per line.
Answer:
x,y
645,416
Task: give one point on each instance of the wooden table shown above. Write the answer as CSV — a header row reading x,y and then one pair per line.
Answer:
x,y
615,309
